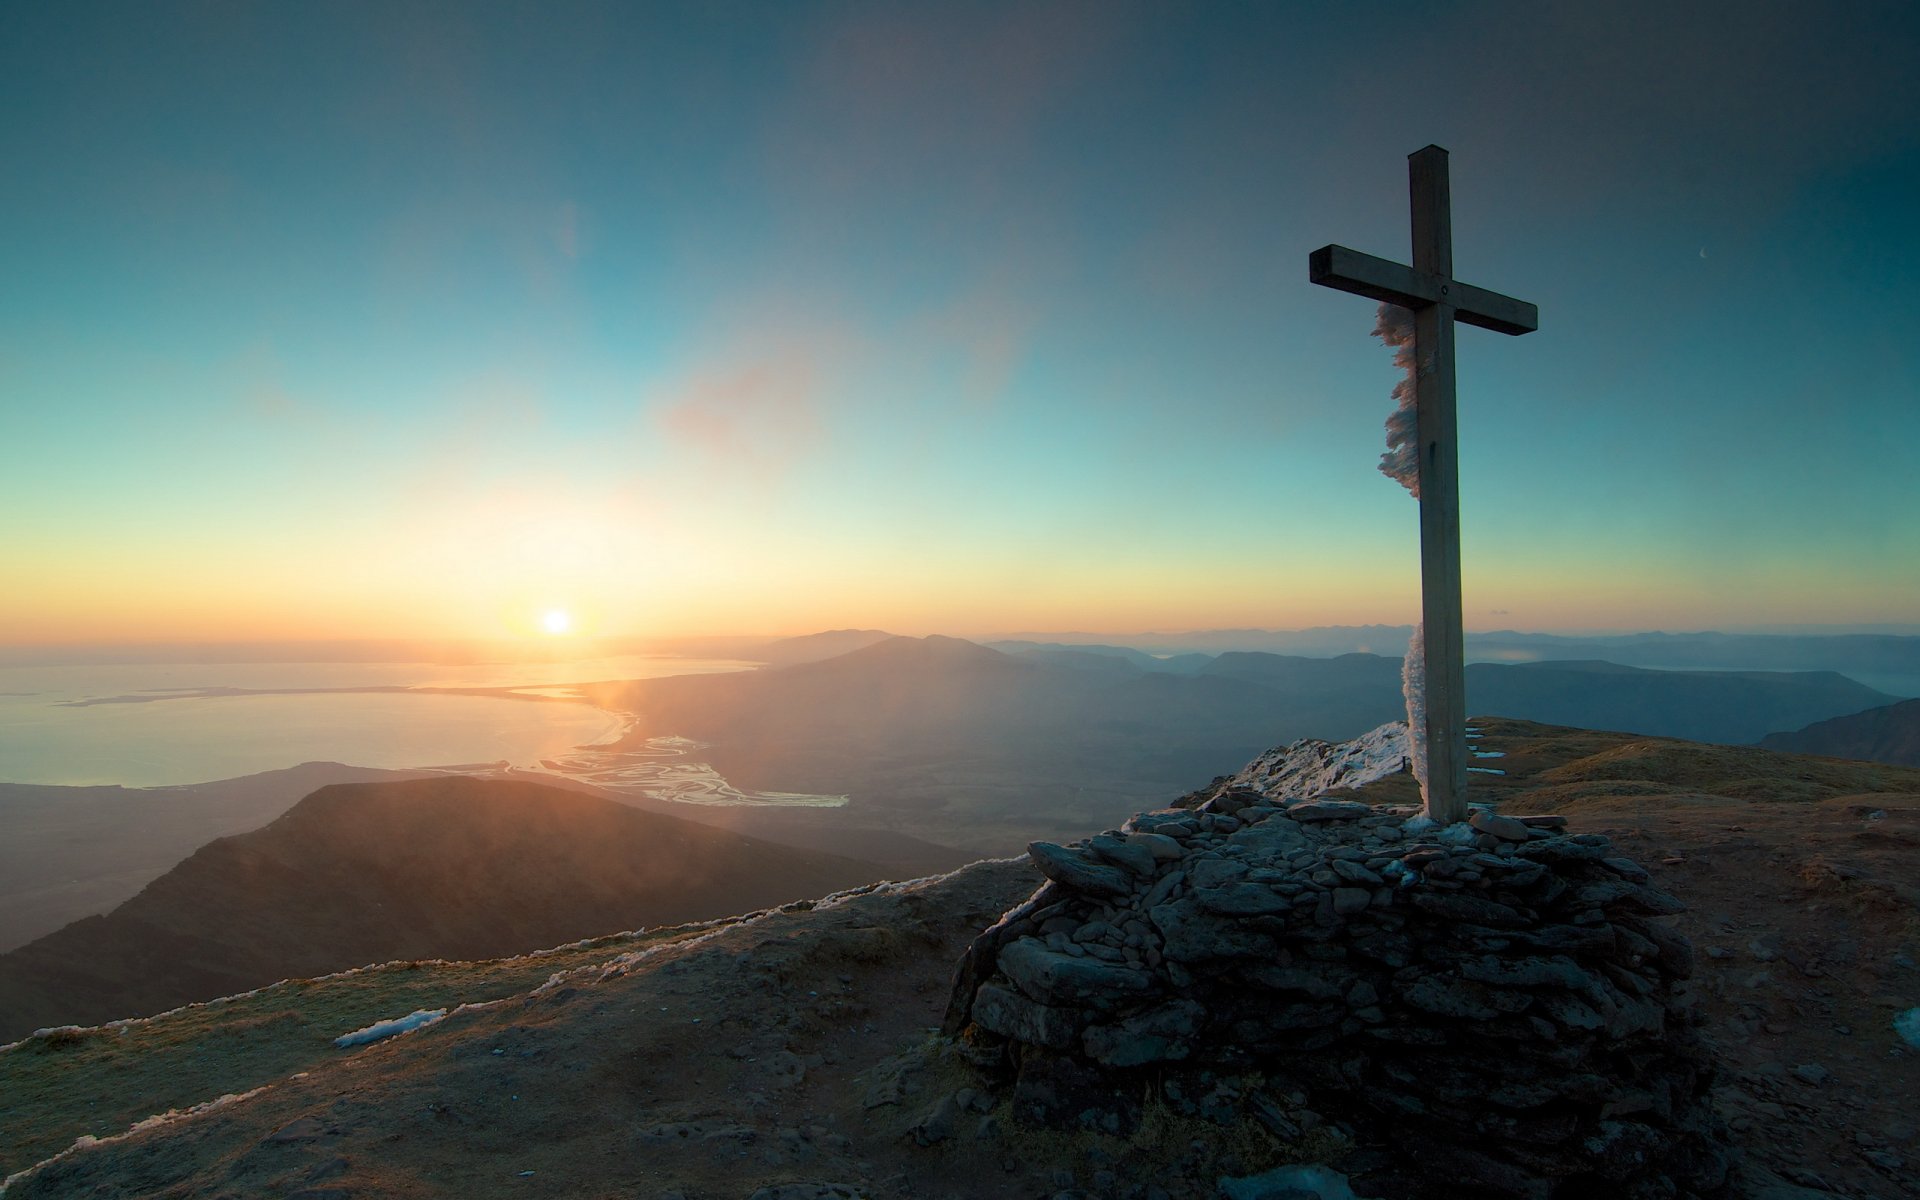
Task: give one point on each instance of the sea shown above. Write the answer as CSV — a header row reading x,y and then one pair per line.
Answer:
x,y
167,724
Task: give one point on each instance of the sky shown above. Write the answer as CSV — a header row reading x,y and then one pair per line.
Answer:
x,y
409,320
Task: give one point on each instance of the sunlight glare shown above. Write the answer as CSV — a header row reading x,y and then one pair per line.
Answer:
x,y
556,621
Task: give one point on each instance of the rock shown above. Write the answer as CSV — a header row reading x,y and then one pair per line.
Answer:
x,y
1135,857
1216,872
809,1191
1564,939
1311,983
1452,998
1354,872
938,1123
1505,828
1453,907
1311,1182
1627,869
1762,1184
1241,899
1159,1034
1812,1073
1006,1012
1632,897
1071,870
1189,934
1054,978
1558,972
1329,810
1268,840
1162,888
1675,952
1159,845
1403,982
300,1129
1231,800
1349,900
1562,850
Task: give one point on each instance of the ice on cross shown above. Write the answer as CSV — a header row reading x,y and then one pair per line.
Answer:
x,y
1437,299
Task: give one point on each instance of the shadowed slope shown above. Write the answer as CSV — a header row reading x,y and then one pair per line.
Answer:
x,y
1889,734
451,867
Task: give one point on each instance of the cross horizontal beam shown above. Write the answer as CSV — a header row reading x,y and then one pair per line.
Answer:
x,y
1394,283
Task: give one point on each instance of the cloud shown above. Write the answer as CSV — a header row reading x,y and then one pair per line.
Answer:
x,y
758,406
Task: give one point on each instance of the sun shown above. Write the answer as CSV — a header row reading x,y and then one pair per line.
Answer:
x,y
557,621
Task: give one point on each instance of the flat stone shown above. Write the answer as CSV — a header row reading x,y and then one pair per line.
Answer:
x,y
1161,1034
1571,1012
1450,998
1159,845
1303,981
1350,900
1162,888
1075,871
1055,978
1125,852
1190,934
1562,850
1471,909
1216,872
1006,1012
1557,972
1241,900
1631,896
1505,828
1564,939
1329,810
1354,872
1627,869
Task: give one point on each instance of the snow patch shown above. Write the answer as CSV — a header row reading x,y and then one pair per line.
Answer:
x,y
417,1019
1312,1179
1310,766
1907,1025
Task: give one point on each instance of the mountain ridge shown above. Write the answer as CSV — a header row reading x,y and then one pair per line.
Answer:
x,y
443,867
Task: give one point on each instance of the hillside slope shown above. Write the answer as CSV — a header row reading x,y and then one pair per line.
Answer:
x,y
73,851
791,1050
448,867
1888,734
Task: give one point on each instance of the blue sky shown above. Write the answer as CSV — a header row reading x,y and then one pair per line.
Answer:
x,y
397,320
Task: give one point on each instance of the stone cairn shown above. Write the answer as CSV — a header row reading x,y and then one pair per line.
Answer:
x,y
1486,1009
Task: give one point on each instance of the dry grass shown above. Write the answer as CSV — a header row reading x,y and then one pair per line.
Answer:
x,y
72,1082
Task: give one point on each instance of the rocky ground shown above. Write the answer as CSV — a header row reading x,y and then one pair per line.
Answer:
x,y
792,1053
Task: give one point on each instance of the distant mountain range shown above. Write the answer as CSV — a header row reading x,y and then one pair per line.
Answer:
x,y
447,867
981,747
1889,734
1869,658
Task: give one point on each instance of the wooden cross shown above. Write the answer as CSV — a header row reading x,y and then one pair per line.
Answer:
x,y
1436,298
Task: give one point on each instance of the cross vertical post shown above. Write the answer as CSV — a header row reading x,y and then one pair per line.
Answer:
x,y
1436,299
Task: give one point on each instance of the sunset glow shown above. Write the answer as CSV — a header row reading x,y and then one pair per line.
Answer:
x,y
873,342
